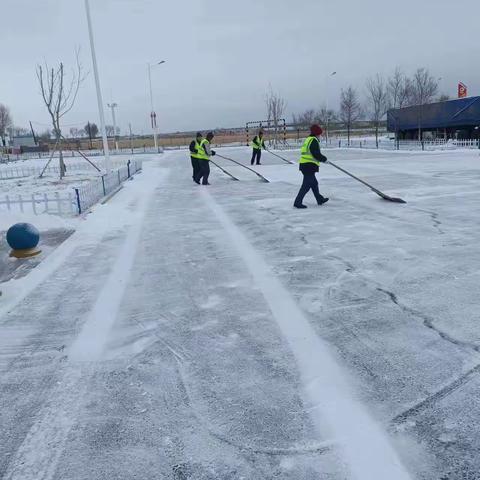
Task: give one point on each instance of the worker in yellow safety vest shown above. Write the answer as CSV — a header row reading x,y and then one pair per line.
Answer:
x,y
257,144
310,160
204,152
194,156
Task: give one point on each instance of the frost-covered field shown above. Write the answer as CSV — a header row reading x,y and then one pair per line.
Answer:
x,y
187,332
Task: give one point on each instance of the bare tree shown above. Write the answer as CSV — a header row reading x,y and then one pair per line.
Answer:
x,y
59,97
377,94
45,136
276,106
306,118
423,88
350,108
5,122
325,115
19,131
110,130
398,89
443,97
74,132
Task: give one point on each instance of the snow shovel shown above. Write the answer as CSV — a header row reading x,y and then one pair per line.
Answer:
x,y
280,157
373,189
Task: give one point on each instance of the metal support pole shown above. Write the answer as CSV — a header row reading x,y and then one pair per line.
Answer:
x,y
152,111
77,194
99,92
113,106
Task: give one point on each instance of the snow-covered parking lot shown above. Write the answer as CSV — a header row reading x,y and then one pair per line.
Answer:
x,y
190,332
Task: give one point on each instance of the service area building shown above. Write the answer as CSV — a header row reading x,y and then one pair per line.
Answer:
x,y
457,119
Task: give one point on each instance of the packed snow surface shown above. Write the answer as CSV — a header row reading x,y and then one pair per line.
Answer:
x,y
191,332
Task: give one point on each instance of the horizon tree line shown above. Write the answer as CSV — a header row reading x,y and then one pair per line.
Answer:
x,y
380,94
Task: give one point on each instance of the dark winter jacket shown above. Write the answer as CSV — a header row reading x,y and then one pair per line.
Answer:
x,y
317,155
192,147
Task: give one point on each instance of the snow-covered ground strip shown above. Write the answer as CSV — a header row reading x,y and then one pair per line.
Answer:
x,y
190,332
69,160
48,194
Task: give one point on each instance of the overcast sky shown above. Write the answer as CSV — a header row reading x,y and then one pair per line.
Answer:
x,y
221,54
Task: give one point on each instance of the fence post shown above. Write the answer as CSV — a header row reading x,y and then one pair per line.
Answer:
x,y
118,174
59,203
128,168
103,185
77,194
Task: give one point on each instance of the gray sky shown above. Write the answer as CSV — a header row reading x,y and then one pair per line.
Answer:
x,y
221,55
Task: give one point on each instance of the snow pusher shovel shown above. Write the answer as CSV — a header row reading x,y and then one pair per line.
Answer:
x,y
373,189
280,157
248,168
224,171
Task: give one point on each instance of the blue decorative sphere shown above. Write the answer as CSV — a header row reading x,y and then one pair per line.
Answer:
x,y
22,236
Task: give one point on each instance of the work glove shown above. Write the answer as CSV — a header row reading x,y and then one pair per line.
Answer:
x,y
213,153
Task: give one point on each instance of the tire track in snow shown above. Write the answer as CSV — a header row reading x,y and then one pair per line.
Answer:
x,y
364,445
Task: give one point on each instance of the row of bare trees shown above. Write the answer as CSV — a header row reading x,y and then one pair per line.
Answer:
x,y
381,94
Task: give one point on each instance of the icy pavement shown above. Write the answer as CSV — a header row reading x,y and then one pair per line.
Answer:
x,y
190,332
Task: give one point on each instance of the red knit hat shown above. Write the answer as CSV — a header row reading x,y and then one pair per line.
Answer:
x,y
316,130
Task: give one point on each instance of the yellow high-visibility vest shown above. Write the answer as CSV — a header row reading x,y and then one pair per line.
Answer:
x,y
258,144
306,156
197,146
202,154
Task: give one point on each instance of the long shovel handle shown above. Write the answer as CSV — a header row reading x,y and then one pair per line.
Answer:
x,y
378,192
279,156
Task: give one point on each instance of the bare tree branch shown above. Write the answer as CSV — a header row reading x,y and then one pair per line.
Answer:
x,y
58,99
5,122
350,108
377,94
276,106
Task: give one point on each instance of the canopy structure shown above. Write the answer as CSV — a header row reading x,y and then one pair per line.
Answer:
x,y
450,119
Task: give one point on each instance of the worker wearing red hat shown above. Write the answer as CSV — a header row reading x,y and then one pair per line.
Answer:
x,y
310,159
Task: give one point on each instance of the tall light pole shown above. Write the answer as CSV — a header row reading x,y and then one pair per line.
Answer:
x,y
99,92
328,112
153,115
113,106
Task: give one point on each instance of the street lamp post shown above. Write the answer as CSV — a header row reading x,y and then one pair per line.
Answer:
x,y
99,92
153,115
328,112
113,106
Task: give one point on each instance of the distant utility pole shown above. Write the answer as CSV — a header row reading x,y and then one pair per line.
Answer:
x,y
131,141
113,106
90,134
153,115
99,92
328,111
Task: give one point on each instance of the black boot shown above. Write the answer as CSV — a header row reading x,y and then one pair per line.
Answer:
x,y
299,205
323,200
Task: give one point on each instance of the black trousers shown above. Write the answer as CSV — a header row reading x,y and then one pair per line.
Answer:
x,y
310,182
204,171
195,166
256,154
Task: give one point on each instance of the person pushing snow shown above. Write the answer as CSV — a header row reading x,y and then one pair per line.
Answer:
x,y
194,155
204,152
257,144
309,162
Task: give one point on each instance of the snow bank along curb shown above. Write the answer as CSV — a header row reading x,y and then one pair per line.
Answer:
x,y
366,449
